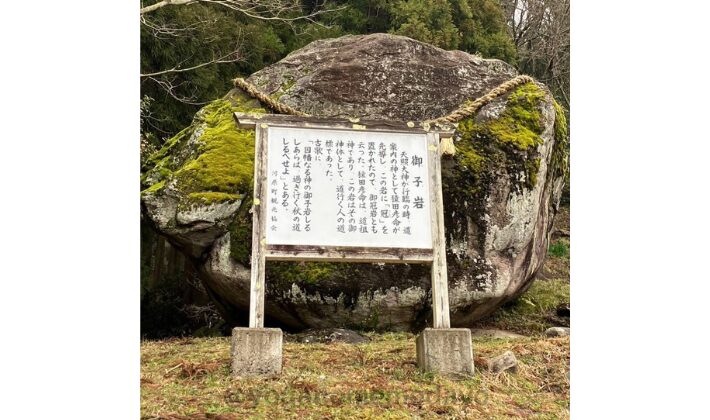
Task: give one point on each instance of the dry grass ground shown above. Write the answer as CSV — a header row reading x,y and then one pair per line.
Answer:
x,y
190,378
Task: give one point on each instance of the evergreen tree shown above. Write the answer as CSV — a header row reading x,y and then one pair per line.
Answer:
x,y
427,21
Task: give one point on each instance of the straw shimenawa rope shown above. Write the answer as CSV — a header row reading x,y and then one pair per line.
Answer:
x,y
266,99
470,108
447,144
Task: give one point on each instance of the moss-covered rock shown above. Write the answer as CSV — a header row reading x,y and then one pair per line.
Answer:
x,y
212,160
193,185
500,190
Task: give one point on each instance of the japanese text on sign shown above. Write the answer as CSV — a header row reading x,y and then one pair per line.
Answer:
x,y
347,188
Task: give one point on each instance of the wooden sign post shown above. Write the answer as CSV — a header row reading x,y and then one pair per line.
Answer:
x,y
334,190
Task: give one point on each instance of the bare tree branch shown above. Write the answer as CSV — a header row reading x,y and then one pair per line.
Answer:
x,y
540,31
163,3
166,30
278,10
286,11
169,87
231,57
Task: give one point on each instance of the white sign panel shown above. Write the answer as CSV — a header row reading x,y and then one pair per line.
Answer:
x,y
328,187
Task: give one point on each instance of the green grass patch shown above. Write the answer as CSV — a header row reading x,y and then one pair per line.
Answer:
x,y
530,313
559,249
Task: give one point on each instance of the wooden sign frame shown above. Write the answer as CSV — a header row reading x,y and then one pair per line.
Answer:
x,y
261,251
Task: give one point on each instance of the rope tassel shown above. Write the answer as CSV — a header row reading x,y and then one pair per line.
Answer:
x,y
446,146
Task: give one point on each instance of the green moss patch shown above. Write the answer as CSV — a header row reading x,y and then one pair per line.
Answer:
x,y
155,187
240,233
510,140
302,273
162,163
225,156
210,161
209,197
520,125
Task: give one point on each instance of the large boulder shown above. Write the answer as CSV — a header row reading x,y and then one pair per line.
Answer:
x,y
501,189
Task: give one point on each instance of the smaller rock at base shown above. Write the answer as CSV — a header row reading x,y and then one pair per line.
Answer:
x,y
557,332
506,361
